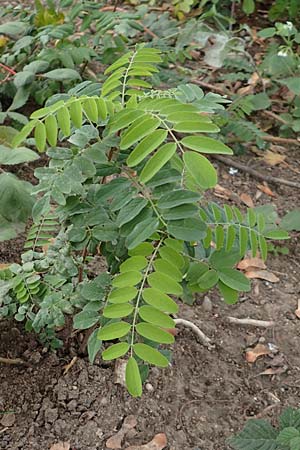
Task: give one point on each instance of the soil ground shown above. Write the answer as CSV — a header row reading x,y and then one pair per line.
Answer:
x,y
200,400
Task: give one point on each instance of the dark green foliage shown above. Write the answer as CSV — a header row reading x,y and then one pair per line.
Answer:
x,y
259,434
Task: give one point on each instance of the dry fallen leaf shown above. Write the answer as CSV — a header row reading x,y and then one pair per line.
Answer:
x,y
60,446
5,266
274,371
272,158
159,442
258,350
250,263
115,441
266,190
263,275
247,200
297,312
222,192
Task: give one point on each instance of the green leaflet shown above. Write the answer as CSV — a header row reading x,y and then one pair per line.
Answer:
x,y
154,333
76,113
152,315
164,283
138,131
159,300
40,136
141,232
203,144
127,279
208,279
146,146
51,130
117,311
196,127
131,210
172,256
230,295
113,331
234,279
150,355
91,110
124,118
176,198
133,263
102,108
133,378
63,119
190,229
157,161
180,212
143,249
115,351
169,269
202,171
243,240
26,130
122,295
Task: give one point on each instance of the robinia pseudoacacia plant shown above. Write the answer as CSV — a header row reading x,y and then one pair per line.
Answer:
x,y
127,182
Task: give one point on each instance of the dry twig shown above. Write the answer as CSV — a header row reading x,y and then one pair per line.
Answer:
x,y
205,340
254,173
252,322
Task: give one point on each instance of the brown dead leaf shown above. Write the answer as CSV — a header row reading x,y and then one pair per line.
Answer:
x,y
250,263
266,190
247,200
69,366
272,158
4,266
274,371
115,441
222,192
262,275
159,442
61,446
254,353
297,312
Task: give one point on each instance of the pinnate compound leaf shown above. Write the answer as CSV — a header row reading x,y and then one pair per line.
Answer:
x,y
257,435
201,170
176,198
203,144
290,418
287,434
16,155
115,351
190,229
157,161
154,333
113,331
133,378
150,355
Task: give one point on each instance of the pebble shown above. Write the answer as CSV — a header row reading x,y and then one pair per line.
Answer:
x,y
149,387
207,304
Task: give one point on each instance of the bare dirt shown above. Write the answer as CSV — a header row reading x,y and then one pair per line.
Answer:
x,y
200,400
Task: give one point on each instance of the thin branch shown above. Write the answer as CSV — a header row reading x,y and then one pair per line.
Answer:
x,y
15,361
254,173
275,116
8,69
252,322
205,340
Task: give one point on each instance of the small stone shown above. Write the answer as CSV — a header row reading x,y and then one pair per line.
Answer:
x,y
35,358
51,415
149,387
8,420
72,405
207,304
